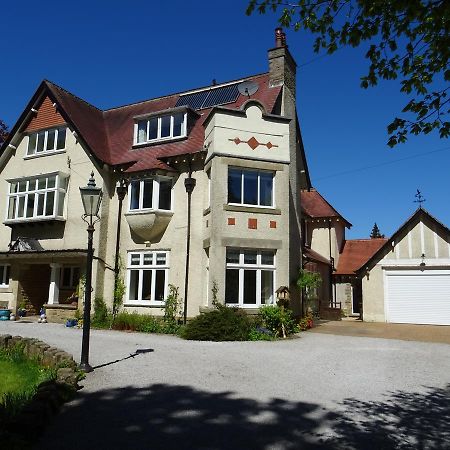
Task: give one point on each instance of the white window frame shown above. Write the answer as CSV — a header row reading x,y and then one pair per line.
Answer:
x,y
155,194
141,267
58,190
72,270
46,151
159,138
258,267
258,171
5,275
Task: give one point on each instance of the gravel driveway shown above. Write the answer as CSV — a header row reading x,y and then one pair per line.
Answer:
x,y
316,391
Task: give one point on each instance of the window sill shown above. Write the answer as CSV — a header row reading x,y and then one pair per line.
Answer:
x,y
158,305
252,209
33,220
45,153
137,146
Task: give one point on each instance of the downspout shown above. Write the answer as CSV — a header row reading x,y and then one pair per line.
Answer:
x,y
121,192
189,184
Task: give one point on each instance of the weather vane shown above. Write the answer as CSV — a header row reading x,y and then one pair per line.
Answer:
x,y
419,198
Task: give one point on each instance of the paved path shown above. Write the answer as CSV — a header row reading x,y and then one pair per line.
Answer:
x,y
402,331
317,391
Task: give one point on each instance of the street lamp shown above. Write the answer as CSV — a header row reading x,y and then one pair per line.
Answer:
x,y
91,196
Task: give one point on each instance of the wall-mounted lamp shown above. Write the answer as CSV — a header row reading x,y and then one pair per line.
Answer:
x,y
422,264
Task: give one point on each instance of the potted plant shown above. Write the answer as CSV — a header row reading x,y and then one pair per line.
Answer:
x,y
21,310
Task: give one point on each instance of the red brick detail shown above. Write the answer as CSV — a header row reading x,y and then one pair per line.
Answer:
x,y
253,224
273,224
253,143
46,116
231,221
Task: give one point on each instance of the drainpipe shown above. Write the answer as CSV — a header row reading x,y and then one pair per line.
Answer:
x,y
121,192
189,184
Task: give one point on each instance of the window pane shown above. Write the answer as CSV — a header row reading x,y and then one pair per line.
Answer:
x,y
32,144
51,139
266,287
75,276
249,287
14,187
267,258
40,204
51,182
50,206
148,194
234,186
165,191
21,207
41,183
233,256
11,207
40,141
61,196
251,188
22,186
265,189
165,126
135,259
142,131
134,285
153,131
146,285
232,286
30,205
148,259
31,185
8,274
135,193
61,139
159,284
160,259
250,257
178,121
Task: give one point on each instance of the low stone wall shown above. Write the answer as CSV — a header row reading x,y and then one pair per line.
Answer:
x,y
50,395
59,313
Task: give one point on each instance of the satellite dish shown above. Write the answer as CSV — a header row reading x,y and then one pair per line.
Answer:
x,y
248,88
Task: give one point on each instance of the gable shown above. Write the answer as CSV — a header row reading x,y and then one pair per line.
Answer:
x,y
46,116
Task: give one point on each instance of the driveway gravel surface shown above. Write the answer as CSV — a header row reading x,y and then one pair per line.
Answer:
x,y
315,391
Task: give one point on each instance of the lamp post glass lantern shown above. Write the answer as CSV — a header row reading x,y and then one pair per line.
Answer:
x,y
91,197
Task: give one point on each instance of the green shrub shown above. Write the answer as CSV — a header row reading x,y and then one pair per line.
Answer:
x,y
256,334
279,320
221,324
101,317
172,310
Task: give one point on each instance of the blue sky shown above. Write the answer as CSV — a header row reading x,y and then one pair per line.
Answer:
x,y
114,52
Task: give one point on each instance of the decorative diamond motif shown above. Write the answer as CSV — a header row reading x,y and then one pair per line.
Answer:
x,y
237,141
269,145
253,143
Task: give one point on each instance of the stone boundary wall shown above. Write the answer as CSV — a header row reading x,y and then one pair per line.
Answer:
x,y
50,395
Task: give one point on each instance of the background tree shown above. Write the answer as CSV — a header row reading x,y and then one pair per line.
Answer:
x,y
3,131
409,39
375,234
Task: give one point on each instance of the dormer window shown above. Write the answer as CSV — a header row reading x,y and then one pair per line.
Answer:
x,y
150,194
46,141
160,128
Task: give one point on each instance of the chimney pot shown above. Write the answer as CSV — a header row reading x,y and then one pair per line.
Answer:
x,y
280,38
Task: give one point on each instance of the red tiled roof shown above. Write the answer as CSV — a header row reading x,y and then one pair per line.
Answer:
x,y
315,206
109,134
355,253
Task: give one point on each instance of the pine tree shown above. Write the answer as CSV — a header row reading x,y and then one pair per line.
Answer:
x,y
3,131
376,232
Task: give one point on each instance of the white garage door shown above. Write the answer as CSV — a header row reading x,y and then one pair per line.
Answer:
x,y
418,297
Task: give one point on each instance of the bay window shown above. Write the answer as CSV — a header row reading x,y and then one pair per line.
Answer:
x,y
151,193
159,128
46,141
147,276
36,198
250,187
250,277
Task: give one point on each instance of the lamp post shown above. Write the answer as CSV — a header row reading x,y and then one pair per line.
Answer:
x,y
91,196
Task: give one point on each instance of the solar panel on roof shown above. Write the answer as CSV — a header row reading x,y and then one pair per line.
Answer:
x,y
208,99
194,100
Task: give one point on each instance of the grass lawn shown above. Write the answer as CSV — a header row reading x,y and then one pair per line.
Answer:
x,y
19,376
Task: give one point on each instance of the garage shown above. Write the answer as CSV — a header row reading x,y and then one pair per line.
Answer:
x,y
420,297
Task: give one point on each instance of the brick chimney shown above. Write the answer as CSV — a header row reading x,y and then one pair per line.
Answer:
x,y
282,67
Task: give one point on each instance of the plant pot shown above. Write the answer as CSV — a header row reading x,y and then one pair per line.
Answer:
x,y
22,312
5,314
